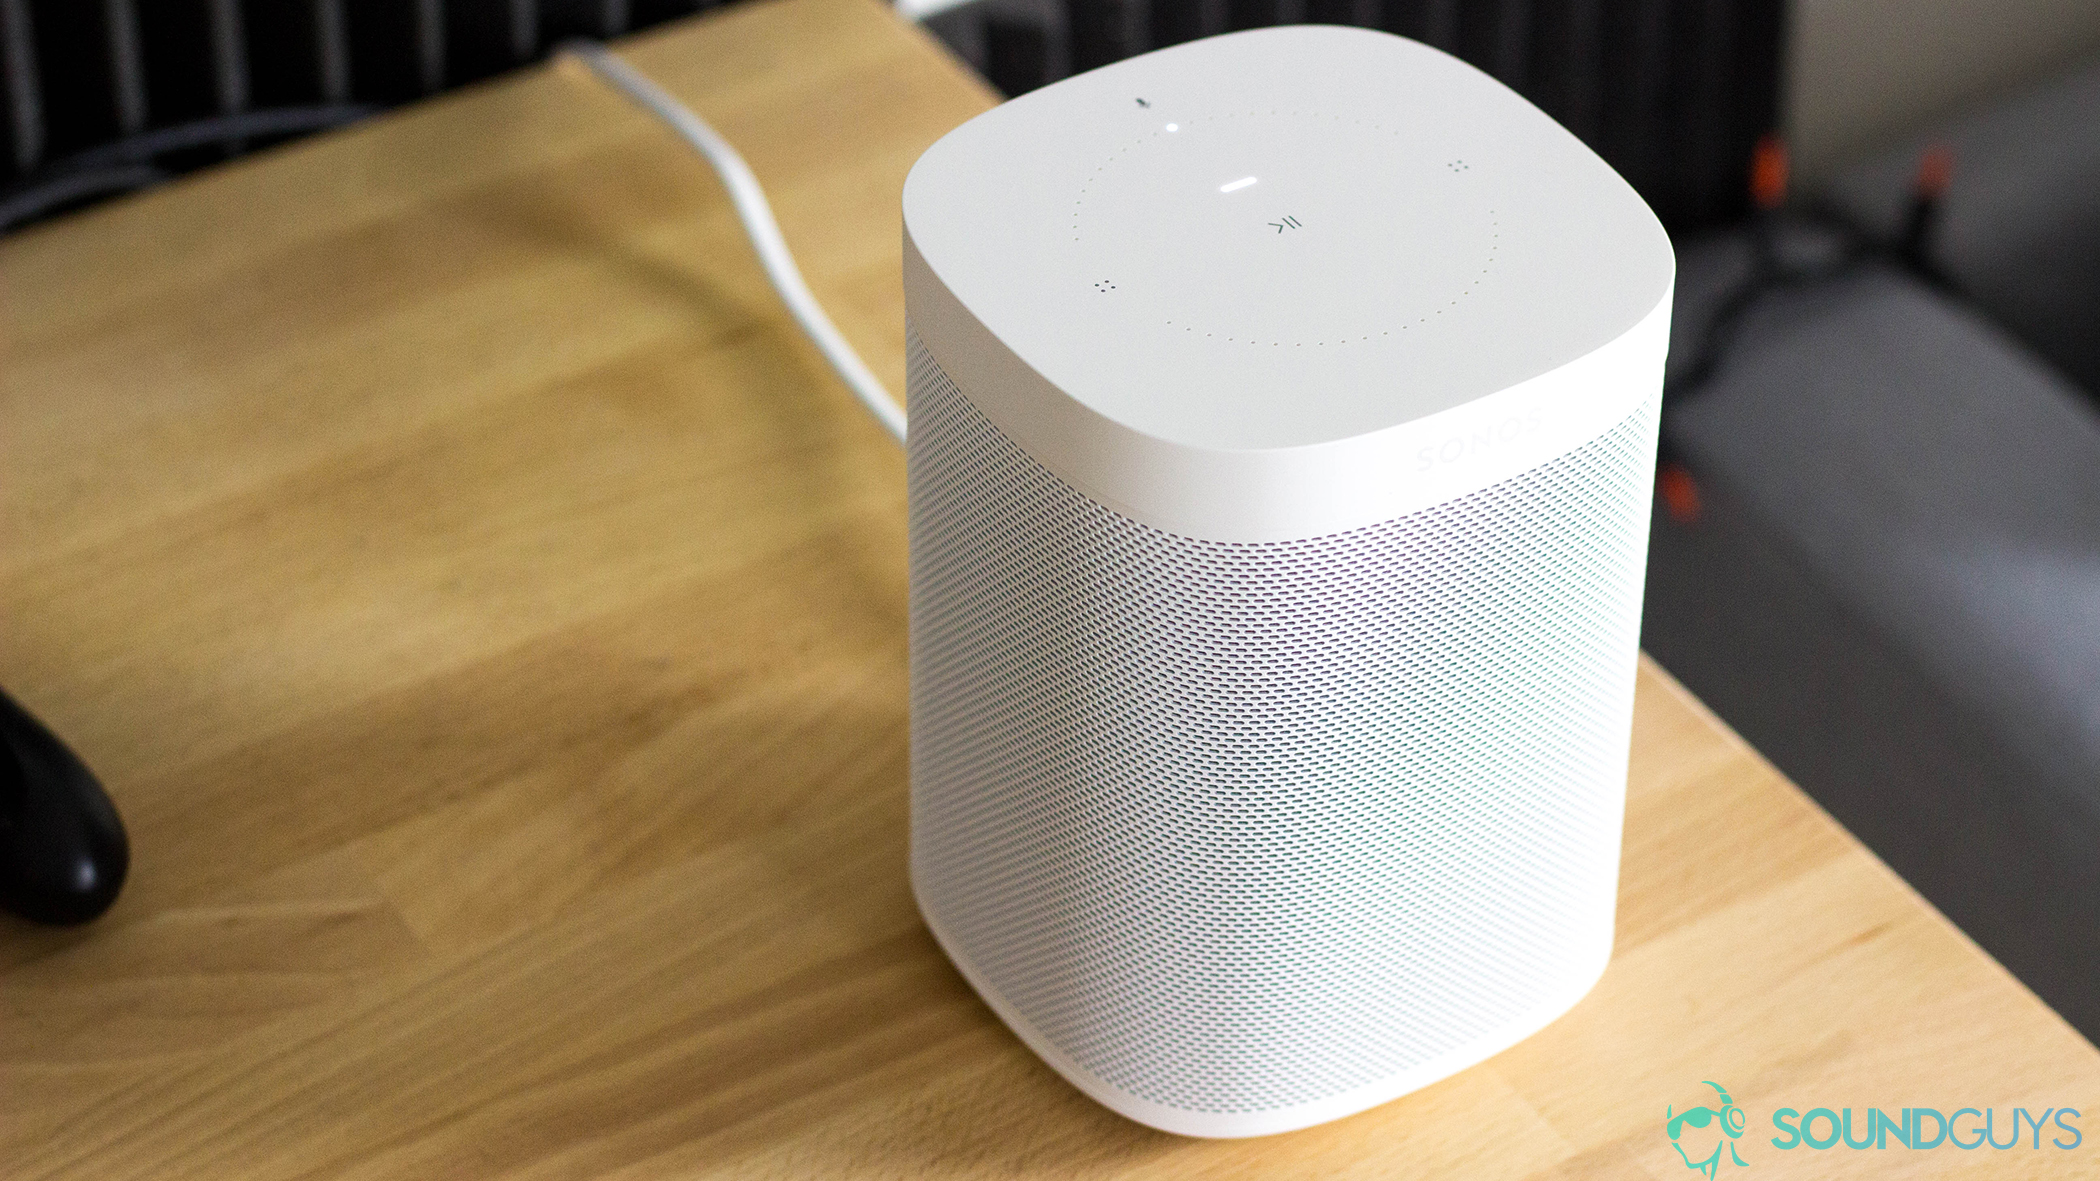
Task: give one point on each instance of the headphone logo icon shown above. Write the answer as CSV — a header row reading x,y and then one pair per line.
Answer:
x,y
1728,1115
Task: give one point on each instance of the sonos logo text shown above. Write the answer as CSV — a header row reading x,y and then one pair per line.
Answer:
x,y
1479,439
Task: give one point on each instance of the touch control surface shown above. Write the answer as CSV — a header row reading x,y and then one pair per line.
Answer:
x,y
1284,237
1235,228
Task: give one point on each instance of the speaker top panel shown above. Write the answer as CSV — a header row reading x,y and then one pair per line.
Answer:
x,y
1281,238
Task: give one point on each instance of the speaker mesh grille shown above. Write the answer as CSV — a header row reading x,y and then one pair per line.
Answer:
x,y
1244,826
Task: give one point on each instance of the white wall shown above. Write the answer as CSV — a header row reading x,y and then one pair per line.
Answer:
x,y
1865,70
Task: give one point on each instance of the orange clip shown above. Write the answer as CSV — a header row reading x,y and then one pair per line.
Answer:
x,y
1769,170
1680,493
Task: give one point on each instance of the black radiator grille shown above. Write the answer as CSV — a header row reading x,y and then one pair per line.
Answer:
x,y
102,96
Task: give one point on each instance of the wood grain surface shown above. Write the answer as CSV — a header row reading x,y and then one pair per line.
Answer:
x,y
489,615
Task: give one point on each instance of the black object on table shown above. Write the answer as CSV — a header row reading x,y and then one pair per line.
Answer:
x,y
63,853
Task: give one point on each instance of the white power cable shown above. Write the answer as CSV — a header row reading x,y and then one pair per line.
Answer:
x,y
749,200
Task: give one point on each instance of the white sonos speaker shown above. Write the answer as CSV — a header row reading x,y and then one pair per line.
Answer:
x,y
1283,412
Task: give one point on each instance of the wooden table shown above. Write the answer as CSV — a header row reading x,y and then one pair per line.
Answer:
x,y
489,615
